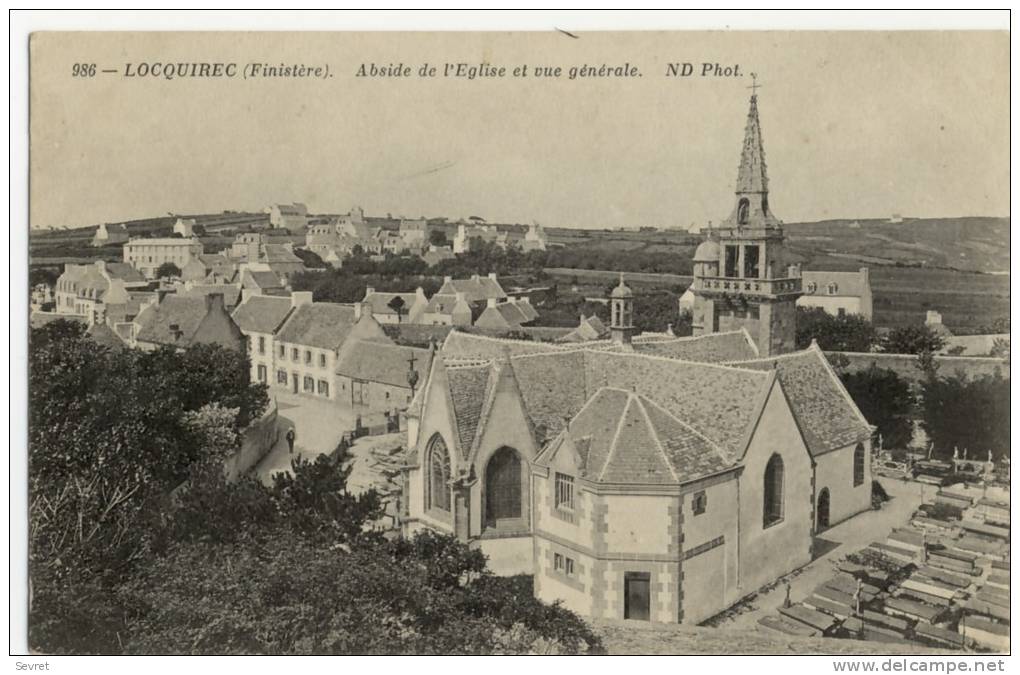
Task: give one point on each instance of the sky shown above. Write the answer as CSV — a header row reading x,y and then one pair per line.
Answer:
x,y
855,125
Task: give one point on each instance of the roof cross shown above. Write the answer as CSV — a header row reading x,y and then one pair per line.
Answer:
x,y
754,84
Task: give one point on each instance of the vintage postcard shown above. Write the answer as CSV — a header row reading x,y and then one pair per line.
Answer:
x,y
551,342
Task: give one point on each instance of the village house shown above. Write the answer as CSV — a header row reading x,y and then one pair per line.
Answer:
x,y
180,322
213,268
380,376
288,216
109,234
86,290
308,343
477,290
146,255
231,292
511,314
436,254
386,310
485,233
647,477
447,309
260,317
41,295
414,234
534,239
261,281
838,293
185,227
589,328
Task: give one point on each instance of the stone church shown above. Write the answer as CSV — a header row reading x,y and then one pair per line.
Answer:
x,y
648,476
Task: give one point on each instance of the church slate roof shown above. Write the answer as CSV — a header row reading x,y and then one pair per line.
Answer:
x,y
825,413
468,392
711,348
463,344
625,438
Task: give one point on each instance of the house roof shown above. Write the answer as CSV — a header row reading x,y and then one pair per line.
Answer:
x,y
622,437
380,301
376,361
827,416
105,336
320,324
588,329
506,315
231,292
185,312
444,304
848,284
124,271
260,279
475,289
262,314
278,253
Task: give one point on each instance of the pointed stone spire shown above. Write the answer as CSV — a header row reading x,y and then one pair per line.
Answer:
x,y
752,176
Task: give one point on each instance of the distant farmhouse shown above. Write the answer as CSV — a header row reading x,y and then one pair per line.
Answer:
x,y
838,293
288,216
109,234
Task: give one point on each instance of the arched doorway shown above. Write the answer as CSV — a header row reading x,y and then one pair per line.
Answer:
x,y
503,487
823,509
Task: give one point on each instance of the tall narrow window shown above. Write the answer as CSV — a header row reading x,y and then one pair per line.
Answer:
x,y
564,492
438,496
751,270
773,491
732,257
503,486
743,208
858,465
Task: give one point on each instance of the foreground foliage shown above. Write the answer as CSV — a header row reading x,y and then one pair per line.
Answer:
x,y
139,545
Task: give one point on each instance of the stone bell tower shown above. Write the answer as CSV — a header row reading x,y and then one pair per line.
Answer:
x,y
741,279
621,320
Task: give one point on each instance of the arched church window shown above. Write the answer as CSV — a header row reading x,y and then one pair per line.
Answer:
x,y
743,207
503,486
858,465
438,495
812,287
773,491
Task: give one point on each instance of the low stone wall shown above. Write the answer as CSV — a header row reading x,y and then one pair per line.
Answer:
x,y
258,439
905,365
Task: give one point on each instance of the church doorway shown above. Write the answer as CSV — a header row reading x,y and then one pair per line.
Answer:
x,y
636,596
823,509
503,487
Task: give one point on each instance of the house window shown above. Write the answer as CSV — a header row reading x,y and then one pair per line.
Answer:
x,y
309,384
564,492
438,496
322,360
751,262
294,354
812,287
732,257
773,511
699,503
568,564
308,356
283,351
324,387
558,563
841,312
281,377
858,465
262,345
832,289
262,373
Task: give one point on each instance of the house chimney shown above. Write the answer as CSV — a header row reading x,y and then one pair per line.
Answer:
x,y
460,296
474,277
419,293
447,280
492,275
214,301
369,290
298,298
101,265
491,302
865,274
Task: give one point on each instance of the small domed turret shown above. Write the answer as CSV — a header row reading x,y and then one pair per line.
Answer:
x,y
622,291
707,251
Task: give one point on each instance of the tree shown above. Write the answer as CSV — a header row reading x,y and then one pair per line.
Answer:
x,y
885,400
397,305
967,414
912,339
1000,349
437,237
311,259
168,270
847,333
